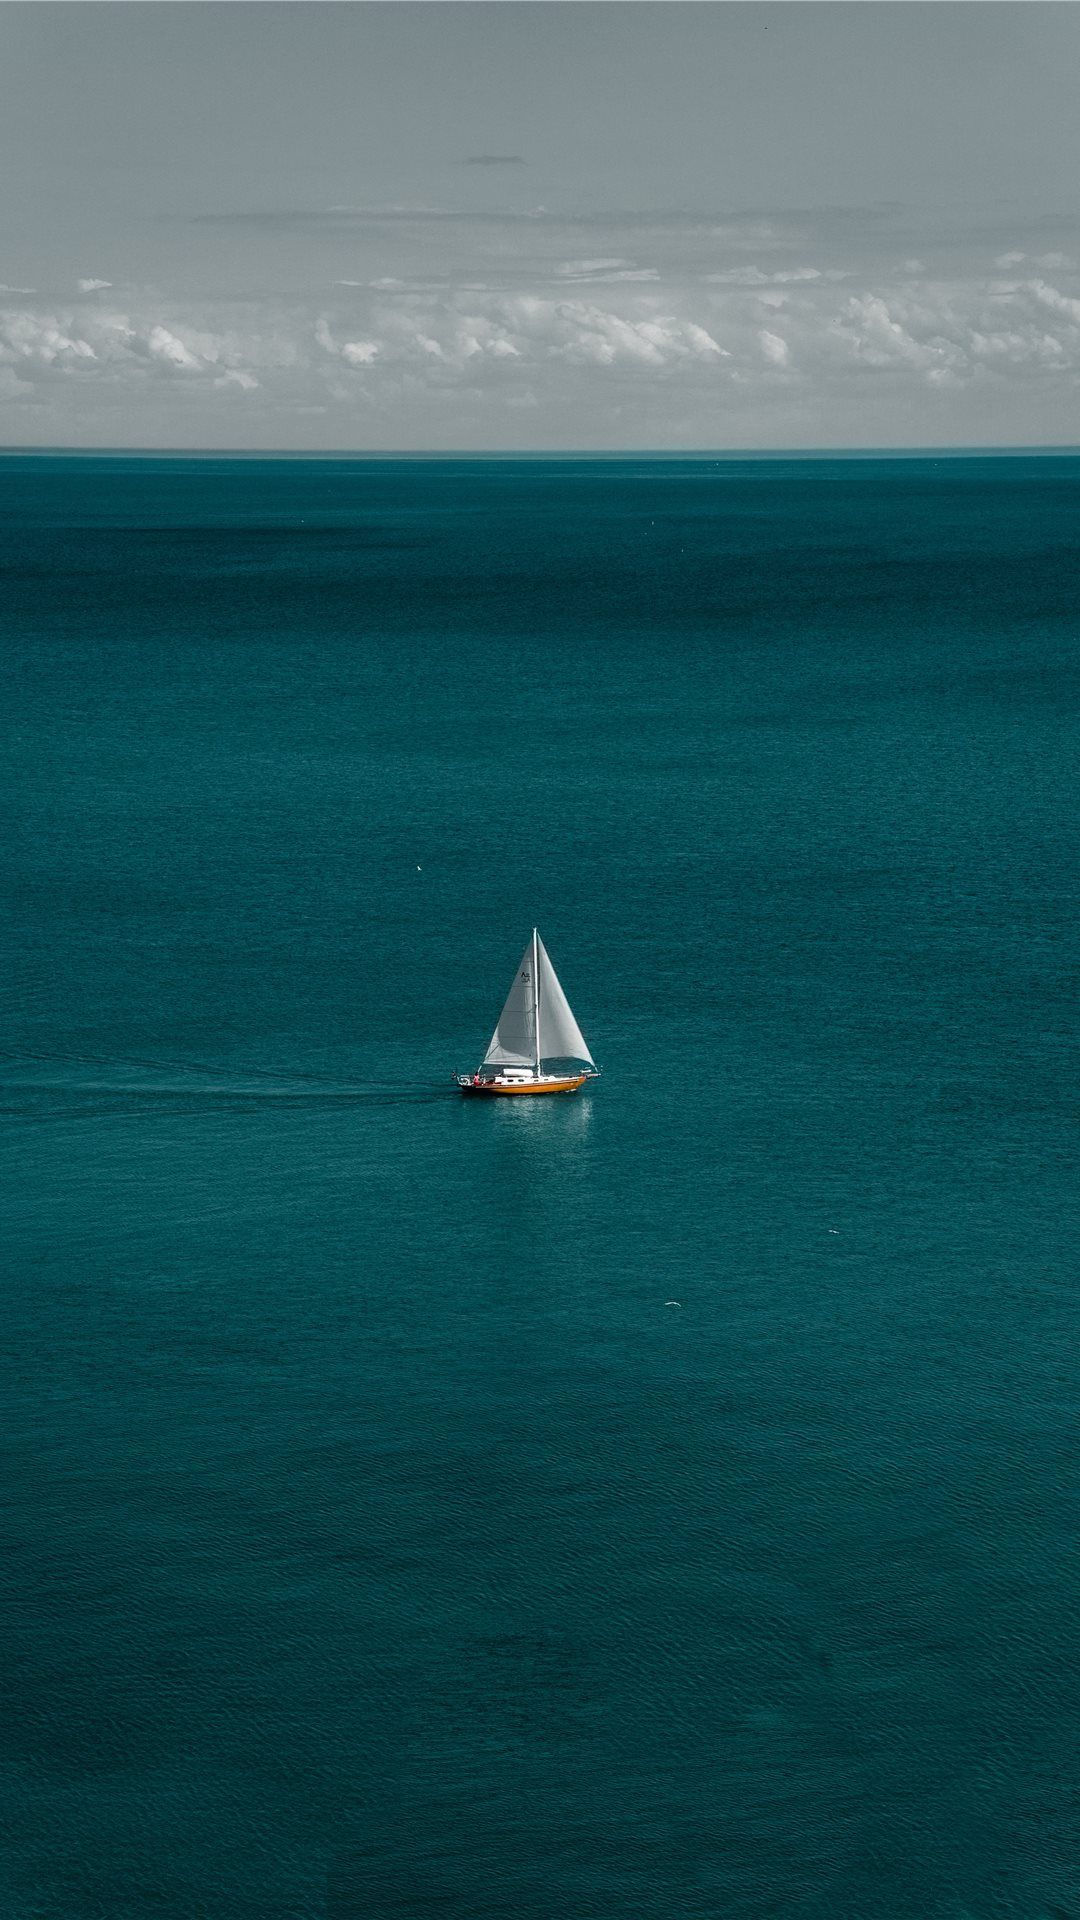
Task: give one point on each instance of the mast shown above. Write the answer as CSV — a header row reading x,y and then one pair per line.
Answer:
x,y
536,1000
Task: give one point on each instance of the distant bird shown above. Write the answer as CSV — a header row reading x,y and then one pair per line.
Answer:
x,y
673,1303
419,869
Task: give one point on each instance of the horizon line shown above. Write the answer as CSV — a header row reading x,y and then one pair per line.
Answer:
x,y
1035,450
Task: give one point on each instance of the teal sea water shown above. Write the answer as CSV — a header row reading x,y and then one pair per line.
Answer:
x,y
379,1541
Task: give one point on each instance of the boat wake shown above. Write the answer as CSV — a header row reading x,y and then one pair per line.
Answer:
x,y
104,1082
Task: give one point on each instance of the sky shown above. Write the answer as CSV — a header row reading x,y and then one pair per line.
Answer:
x,y
539,224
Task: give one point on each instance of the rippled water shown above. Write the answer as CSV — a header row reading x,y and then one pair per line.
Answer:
x,y
381,1540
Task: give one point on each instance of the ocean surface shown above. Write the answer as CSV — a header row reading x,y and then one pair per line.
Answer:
x,y
662,1504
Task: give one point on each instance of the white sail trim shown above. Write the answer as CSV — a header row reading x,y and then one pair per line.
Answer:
x,y
560,1036
513,1043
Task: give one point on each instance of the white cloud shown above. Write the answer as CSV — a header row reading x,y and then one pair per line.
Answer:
x,y
702,342
1013,347
604,270
585,333
740,277
170,349
876,337
447,334
1057,302
93,286
246,382
784,276
30,340
774,348
116,348
575,267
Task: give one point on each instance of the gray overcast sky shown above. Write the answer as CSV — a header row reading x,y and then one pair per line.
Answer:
x,y
539,224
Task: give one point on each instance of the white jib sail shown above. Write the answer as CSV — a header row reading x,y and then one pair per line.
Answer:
x,y
513,1043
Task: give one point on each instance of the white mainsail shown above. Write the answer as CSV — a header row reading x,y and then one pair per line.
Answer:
x,y
513,1043
536,999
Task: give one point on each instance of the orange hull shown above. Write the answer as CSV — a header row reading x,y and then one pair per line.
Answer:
x,y
489,1088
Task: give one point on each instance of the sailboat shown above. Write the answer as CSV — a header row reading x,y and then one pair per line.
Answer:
x,y
535,1025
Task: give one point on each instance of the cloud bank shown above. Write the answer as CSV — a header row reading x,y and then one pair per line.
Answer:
x,y
754,344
